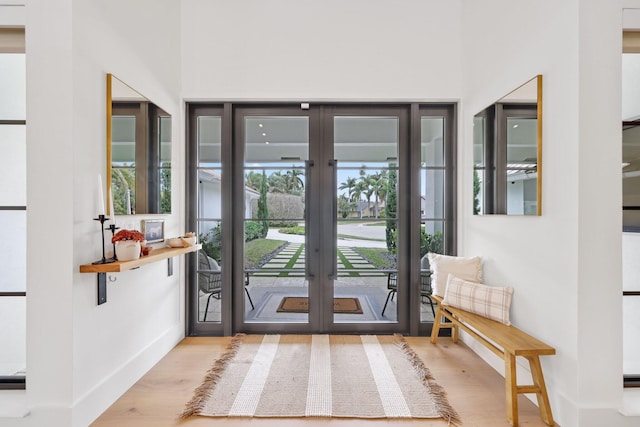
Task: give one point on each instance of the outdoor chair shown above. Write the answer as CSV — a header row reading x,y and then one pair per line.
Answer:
x,y
425,289
246,283
210,280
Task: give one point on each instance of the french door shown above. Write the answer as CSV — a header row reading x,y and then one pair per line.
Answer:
x,y
310,218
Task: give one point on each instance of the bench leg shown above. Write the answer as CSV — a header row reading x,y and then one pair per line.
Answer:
x,y
511,384
437,319
454,333
543,398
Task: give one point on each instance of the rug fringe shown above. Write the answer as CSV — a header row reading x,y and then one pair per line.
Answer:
x,y
439,394
195,405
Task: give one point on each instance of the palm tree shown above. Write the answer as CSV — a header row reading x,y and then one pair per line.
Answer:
x,y
357,193
378,184
366,182
276,182
123,187
253,179
348,185
293,181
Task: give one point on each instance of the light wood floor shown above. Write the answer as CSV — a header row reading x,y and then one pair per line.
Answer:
x,y
475,390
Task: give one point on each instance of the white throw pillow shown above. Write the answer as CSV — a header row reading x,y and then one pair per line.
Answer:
x,y
443,265
487,301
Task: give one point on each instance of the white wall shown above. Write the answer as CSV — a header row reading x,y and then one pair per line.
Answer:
x,y
115,343
311,50
566,270
81,356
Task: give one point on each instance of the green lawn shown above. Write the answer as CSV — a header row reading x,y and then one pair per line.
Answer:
x,y
257,249
379,257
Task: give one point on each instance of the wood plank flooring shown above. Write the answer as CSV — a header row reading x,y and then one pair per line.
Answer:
x,y
474,389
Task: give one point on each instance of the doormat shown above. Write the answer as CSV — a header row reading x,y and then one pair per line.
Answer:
x,y
330,376
301,305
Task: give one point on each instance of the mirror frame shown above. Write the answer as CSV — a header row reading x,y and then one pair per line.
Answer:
x,y
109,141
538,80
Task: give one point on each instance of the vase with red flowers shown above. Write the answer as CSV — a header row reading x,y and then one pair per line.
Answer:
x,y
127,244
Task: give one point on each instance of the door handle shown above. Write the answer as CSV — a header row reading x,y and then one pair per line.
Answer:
x,y
308,164
334,216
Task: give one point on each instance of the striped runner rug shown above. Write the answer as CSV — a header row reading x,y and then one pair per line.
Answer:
x,y
368,376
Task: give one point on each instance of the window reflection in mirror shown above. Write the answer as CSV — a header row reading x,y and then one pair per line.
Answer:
x,y
138,150
631,175
507,147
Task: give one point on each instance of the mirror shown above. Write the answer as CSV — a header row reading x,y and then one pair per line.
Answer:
x,y
138,152
507,153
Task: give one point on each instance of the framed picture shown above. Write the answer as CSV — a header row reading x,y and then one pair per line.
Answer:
x,y
153,230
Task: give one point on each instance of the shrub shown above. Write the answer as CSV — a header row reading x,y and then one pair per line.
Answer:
x,y
282,224
293,230
253,230
212,240
431,242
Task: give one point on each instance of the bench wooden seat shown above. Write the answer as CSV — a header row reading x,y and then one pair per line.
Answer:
x,y
506,342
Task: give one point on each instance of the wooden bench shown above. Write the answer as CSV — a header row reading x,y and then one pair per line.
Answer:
x,y
507,342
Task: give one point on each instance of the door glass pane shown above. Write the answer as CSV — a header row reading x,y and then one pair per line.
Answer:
x,y
276,148
479,164
209,219
522,160
631,178
13,173
366,149
432,194
123,164
431,136
13,87
631,332
13,247
13,330
432,200
13,223
164,166
209,131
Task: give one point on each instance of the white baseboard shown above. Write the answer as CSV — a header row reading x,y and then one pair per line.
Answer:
x,y
568,411
89,407
13,404
631,403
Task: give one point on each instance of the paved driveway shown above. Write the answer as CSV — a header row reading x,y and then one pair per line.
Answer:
x,y
367,232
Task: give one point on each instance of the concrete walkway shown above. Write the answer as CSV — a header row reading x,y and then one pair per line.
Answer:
x,y
292,259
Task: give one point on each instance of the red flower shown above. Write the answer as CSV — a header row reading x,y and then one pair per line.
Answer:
x,y
127,235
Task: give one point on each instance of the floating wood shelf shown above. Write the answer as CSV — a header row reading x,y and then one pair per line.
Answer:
x,y
118,266
154,256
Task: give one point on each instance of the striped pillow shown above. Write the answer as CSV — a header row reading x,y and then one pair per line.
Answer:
x,y
487,301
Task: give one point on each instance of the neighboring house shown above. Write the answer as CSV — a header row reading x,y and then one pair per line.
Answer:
x,y
364,209
211,198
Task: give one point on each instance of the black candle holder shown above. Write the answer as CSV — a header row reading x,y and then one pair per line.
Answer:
x,y
113,229
102,218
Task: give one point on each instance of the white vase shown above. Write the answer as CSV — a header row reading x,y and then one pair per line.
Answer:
x,y
127,250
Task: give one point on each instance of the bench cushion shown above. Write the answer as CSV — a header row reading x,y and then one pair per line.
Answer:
x,y
463,268
487,301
